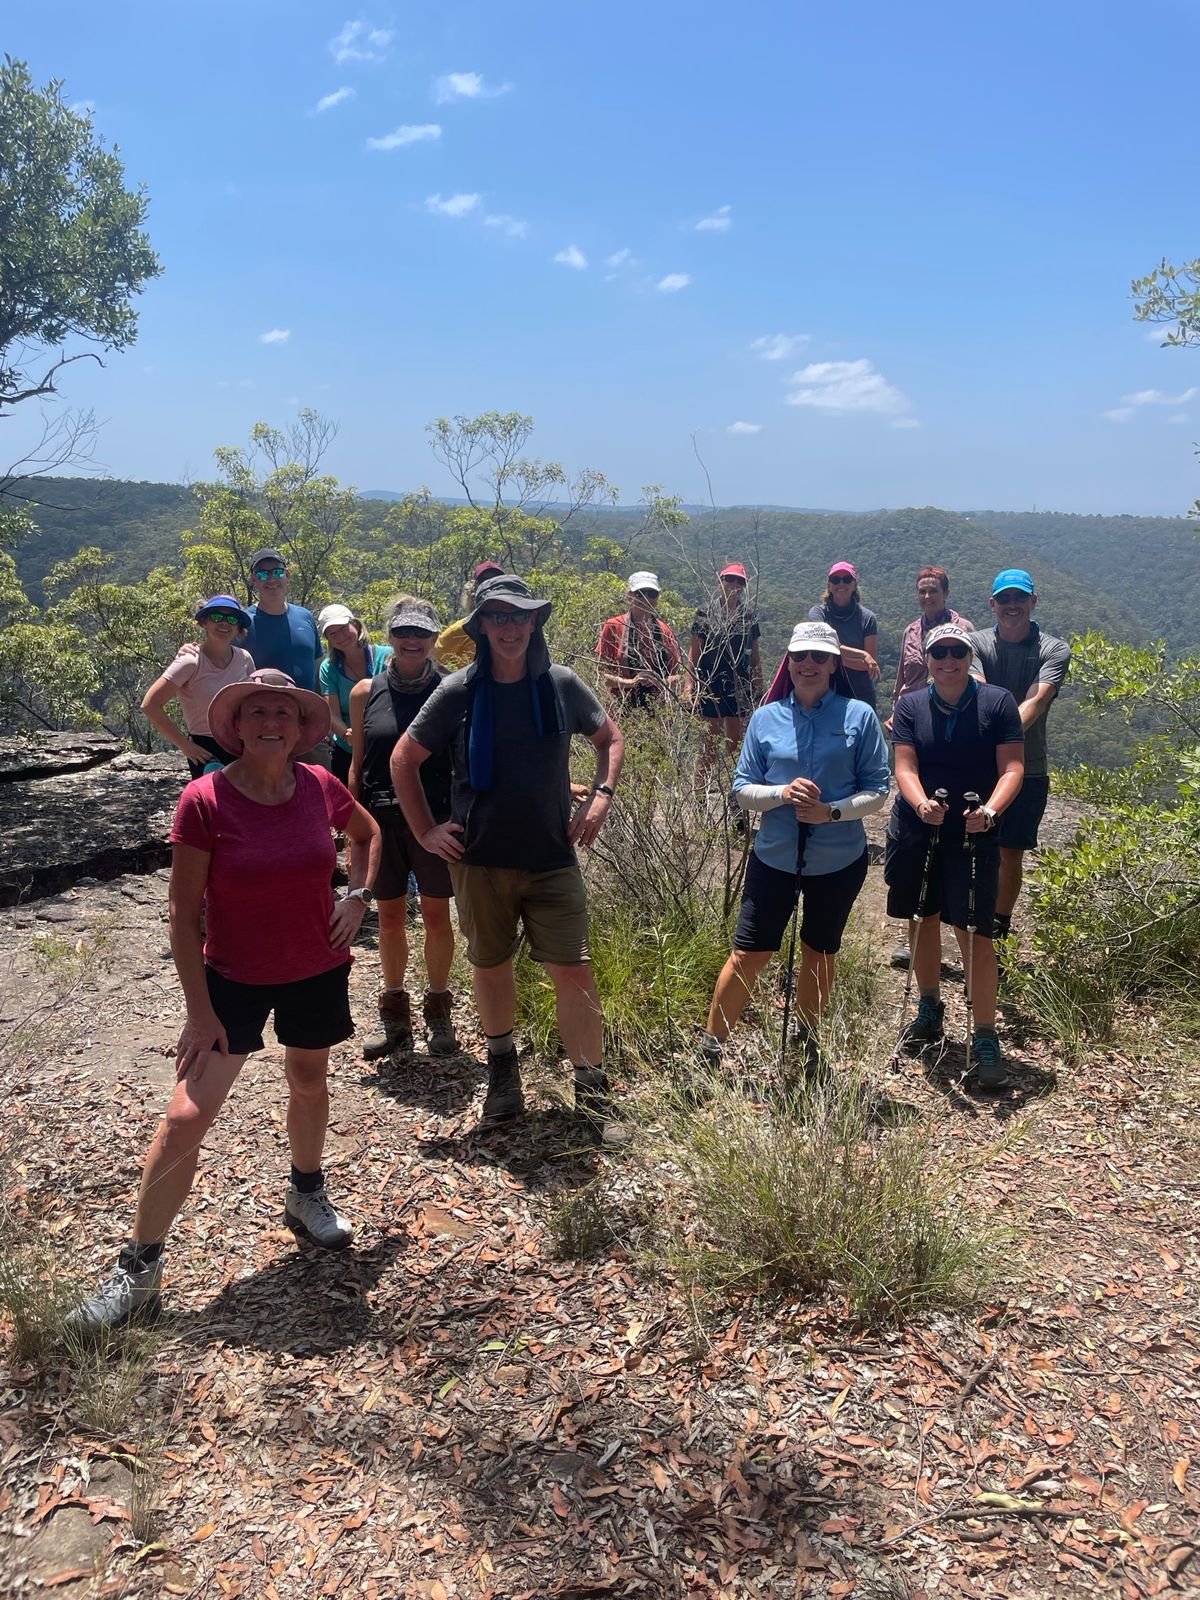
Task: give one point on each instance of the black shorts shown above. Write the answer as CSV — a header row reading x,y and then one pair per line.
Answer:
x,y
400,854
721,705
339,763
948,894
768,897
311,1014
1019,824
207,742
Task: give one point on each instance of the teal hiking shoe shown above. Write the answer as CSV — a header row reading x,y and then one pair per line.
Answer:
x,y
987,1062
926,1027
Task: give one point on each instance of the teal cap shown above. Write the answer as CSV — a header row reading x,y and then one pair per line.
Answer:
x,y
1012,578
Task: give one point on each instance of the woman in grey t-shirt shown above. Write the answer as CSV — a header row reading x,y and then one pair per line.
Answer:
x,y
855,626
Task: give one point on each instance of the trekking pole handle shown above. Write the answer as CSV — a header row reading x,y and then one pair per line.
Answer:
x,y
972,802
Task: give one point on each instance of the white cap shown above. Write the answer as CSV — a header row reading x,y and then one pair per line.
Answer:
x,y
947,633
334,616
644,580
815,636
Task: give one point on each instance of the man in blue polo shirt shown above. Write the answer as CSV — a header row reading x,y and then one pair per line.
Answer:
x,y
284,636
1032,666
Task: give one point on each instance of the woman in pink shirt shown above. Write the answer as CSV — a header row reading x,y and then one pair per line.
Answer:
x,y
196,677
253,851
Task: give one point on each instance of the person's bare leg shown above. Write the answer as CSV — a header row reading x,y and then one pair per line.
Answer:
x,y
170,1168
439,940
709,745
734,987
393,941
580,1019
1012,871
308,1105
496,997
984,978
814,982
927,968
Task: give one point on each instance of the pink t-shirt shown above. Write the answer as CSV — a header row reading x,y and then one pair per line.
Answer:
x,y
197,681
269,898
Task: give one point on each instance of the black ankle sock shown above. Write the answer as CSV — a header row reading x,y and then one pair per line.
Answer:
x,y
143,1255
1001,924
307,1182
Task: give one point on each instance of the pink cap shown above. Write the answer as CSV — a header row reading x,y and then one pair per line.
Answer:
x,y
844,566
485,567
735,569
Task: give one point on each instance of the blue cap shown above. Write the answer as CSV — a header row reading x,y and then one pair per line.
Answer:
x,y
1013,578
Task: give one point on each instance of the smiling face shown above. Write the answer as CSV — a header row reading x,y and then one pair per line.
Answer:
x,y
411,649
269,724
220,628
271,587
949,674
931,597
509,637
811,672
1013,609
341,635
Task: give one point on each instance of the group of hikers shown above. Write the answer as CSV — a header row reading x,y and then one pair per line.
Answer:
x,y
444,757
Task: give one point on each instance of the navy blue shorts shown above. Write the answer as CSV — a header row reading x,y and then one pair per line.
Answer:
x,y
1019,824
769,895
311,1014
948,894
722,705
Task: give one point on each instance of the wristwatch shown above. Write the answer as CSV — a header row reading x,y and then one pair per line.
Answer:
x,y
991,815
602,788
364,894
835,813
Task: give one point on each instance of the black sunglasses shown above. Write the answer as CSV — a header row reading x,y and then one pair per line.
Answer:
x,y
811,655
1011,597
505,619
939,652
840,577
270,572
411,633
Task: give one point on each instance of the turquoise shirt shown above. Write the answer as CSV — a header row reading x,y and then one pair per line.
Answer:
x,y
840,746
335,681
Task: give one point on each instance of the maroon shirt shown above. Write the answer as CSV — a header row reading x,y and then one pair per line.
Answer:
x,y
269,898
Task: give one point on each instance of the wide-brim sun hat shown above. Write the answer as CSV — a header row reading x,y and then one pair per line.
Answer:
x,y
947,633
815,636
223,709
223,602
335,616
415,614
510,592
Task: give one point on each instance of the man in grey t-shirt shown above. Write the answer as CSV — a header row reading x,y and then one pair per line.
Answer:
x,y
1032,666
508,720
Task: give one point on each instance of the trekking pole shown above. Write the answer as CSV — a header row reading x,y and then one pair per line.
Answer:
x,y
972,802
918,917
789,982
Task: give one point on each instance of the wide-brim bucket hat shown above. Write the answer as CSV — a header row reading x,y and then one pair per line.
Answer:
x,y
511,592
223,709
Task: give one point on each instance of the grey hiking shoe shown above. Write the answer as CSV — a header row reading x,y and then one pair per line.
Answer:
x,y
712,1051
925,1028
900,957
130,1294
439,1023
987,1062
594,1110
311,1216
395,1035
504,1099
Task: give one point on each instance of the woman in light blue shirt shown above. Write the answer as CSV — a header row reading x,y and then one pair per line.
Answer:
x,y
350,657
814,763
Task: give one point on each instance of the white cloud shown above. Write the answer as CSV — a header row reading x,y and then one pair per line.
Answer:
x,y
572,256
619,258
779,346
407,133
514,227
1119,414
1156,397
328,101
845,386
673,282
744,427
904,422
465,86
358,41
719,221
458,205
275,336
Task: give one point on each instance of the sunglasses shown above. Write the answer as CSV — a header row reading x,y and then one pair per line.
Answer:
x,y
840,577
824,656
740,582
222,616
270,572
1011,597
939,652
411,633
508,619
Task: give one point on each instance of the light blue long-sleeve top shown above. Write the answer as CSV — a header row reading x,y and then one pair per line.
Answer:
x,y
839,744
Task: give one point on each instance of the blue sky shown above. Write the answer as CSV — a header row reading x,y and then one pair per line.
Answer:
x,y
893,244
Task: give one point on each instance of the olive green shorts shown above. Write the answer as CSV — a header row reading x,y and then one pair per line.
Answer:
x,y
494,903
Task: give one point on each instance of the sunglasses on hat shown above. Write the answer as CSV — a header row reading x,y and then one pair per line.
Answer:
x,y
939,652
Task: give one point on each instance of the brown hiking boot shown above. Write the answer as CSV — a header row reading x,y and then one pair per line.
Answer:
x,y
594,1109
504,1099
395,1036
439,1024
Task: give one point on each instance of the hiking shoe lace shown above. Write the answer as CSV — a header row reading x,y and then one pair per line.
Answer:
x,y
312,1216
129,1293
987,1061
926,1027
